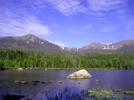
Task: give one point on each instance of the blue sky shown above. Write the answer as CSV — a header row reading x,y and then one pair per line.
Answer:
x,y
71,23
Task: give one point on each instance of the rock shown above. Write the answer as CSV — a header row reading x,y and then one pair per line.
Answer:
x,y
16,81
43,82
49,82
19,69
81,74
55,82
23,82
132,89
35,83
117,90
96,80
60,81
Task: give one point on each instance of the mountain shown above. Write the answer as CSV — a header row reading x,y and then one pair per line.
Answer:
x,y
34,43
28,42
126,46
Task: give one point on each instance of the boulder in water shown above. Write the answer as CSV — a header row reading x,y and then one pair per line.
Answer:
x,y
81,74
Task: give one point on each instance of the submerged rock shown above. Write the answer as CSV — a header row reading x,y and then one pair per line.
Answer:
x,y
81,74
96,80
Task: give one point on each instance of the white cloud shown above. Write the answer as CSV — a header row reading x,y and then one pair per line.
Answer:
x,y
58,43
90,7
103,5
67,7
130,24
15,24
79,42
106,29
34,5
88,26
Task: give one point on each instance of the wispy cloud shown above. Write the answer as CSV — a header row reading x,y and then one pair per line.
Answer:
x,y
58,43
14,24
103,5
89,7
106,29
130,24
88,26
68,7
79,42
33,5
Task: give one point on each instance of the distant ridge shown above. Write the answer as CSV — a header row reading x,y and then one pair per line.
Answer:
x,y
34,43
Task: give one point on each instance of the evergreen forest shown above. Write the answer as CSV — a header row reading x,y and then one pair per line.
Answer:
x,y
14,59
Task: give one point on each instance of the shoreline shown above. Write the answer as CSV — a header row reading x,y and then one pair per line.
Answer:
x,y
45,69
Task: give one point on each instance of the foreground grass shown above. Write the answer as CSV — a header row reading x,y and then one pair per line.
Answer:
x,y
93,94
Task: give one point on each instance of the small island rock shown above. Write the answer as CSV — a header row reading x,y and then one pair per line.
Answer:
x,y
81,74
96,80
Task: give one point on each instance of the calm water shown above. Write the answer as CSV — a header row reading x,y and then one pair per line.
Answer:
x,y
109,79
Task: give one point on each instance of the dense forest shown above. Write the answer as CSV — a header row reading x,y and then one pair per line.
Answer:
x,y
14,59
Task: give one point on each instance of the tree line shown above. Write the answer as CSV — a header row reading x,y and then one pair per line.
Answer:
x,y
14,59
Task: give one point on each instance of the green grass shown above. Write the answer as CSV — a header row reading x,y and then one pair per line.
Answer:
x,y
107,94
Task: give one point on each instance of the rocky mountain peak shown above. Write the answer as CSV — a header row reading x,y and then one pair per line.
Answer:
x,y
29,37
32,42
27,42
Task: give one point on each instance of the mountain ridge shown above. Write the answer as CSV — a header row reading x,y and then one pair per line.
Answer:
x,y
32,42
28,42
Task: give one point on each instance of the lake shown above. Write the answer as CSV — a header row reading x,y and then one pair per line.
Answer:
x,y
109,79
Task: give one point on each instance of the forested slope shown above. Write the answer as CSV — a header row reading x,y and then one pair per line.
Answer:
x,y
13,59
